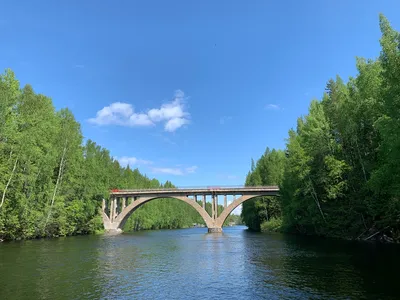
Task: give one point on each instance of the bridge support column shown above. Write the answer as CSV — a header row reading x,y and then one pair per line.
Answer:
x,y
112,209
225,202
216,206
213,206
123,203
204,202
115,208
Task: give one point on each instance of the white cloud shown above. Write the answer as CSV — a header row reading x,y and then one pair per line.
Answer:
x,y
174,124
272,106
125,160
77,66
173,114
139,120
175,171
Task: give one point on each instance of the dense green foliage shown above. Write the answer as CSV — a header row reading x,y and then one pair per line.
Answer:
x,y
341,174
52,185
267,171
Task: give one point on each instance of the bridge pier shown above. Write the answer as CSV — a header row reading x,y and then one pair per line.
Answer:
x,y
214,230
113,231
111,228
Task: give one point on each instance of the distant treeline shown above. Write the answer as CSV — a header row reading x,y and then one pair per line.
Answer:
x,y
340,172
52,185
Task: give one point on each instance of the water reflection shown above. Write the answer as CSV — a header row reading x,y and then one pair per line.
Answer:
x,y
192,264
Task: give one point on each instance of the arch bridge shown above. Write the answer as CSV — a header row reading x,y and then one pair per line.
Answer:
x,y
123,203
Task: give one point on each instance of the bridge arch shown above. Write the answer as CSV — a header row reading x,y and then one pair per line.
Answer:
x,y
121,219
229,209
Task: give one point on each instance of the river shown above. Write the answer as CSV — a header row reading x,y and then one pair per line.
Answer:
x,y
192,264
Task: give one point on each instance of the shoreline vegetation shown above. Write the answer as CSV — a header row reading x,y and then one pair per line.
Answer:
x,y
340,172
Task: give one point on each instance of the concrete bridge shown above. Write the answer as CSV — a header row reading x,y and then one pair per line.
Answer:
x,y
123,203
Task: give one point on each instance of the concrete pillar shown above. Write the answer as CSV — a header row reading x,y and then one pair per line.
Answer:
x,y
103,205
225,201
112,210
123,202
195,198
216,206
212,206
234,197
204,201
115,207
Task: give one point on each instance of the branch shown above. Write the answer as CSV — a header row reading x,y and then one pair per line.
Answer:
x,y
8,183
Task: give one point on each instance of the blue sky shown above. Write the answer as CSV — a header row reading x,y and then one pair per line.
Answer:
x,y
188,91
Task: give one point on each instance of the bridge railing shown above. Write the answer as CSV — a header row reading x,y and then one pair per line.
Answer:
x,y
211,188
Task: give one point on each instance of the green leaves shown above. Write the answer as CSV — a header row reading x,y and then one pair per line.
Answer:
x,y
267,171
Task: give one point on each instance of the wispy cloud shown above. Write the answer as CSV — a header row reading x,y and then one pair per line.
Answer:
x,y
175,171
78,66
272,107
172,114
224,119
126,160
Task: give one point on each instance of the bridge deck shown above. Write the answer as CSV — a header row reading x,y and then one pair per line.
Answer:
x,y
259,190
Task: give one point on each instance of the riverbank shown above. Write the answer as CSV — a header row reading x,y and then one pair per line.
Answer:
x,y
385,235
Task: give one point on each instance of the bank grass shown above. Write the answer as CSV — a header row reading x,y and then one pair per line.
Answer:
x,y
273,225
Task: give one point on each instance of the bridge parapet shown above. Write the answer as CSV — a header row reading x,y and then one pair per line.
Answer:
x,y
273,190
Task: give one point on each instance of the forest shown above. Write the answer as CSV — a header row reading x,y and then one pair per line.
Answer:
x,y
52,182
339,174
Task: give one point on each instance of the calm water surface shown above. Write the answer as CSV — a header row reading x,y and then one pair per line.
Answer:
x,y
191,264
